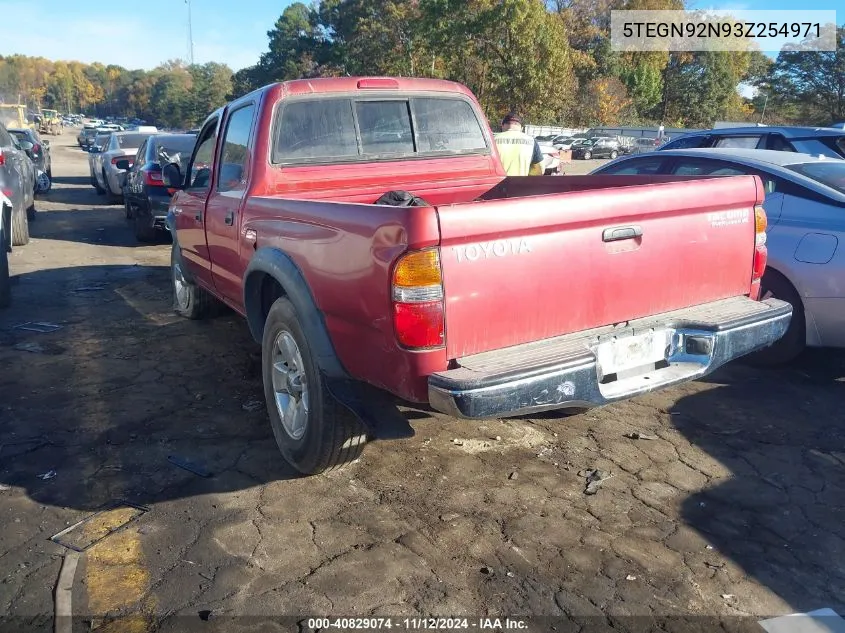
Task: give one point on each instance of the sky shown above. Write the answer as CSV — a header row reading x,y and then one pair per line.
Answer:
x,y
140,35
143,35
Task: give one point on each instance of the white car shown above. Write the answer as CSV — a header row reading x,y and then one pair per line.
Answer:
x,y
121,145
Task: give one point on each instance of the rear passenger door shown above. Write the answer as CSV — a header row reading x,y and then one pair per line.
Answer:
x,y
223,211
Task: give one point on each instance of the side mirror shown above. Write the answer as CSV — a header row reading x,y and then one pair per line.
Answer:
x,y
25,145
171,175
123,164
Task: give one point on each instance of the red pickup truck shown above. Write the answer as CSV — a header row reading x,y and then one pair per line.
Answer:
x,y
487,296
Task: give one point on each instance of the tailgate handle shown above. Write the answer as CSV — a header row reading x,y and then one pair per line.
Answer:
x,y
621,233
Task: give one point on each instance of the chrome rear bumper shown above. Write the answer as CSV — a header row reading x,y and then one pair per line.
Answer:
x,y
564,372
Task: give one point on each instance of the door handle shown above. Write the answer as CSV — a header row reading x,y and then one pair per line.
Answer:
x,y
230,218
198,217
621,233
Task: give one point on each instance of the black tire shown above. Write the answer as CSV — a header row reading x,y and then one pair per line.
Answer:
x,y
20,229
30,213
145,232
333,435
588,155
789,347
127,208
196,303
5,279
613,154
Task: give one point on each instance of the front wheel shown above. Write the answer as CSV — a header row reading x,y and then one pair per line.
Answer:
x,y
786,349
5,279
314,431
145,232
588,155
189,300
20,228
613,154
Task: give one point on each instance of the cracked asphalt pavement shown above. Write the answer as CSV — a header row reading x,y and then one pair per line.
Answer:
x,y
734,506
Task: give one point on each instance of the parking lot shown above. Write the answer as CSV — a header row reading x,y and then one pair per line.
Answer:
x,y
731,502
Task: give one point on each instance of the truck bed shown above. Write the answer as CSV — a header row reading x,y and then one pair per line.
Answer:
x,y
543,257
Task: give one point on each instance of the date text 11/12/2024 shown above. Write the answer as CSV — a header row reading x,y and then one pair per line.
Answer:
x,y
415,624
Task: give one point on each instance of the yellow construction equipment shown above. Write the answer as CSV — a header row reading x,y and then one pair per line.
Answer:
x,y
50,122
14,115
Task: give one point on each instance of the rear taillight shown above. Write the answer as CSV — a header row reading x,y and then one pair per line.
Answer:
x,y
761,253
36,148
2,158
417,292
153,178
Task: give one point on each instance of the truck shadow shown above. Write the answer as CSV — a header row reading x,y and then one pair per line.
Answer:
x,y
781,514
122,386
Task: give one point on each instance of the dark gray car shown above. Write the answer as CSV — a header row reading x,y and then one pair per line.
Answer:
x,y
817,141
17,182
40,152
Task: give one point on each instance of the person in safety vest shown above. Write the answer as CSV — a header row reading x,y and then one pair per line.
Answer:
x,y
520,153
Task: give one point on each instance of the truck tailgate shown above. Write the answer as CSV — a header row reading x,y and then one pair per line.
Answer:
x,y
524,269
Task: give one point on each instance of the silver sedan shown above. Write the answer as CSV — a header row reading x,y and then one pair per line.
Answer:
x,y
805,205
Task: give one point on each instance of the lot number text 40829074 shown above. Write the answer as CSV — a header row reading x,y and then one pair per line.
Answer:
x,y
416,624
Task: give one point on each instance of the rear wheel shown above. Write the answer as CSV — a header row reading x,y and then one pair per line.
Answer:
x,y
314,431
20,228
776,286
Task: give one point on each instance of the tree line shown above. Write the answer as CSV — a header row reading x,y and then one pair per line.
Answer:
x,y
551,61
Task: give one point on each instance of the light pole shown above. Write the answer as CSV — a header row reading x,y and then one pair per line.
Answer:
x,y
190,35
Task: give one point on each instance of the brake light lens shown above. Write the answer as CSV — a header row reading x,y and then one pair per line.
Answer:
x,y
417,292
153,178
36,148
761,253
761,222
2,158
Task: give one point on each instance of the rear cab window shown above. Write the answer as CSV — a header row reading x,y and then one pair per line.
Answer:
x,y
349,129
130,141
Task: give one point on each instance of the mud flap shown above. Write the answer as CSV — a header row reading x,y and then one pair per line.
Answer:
x,y
376,410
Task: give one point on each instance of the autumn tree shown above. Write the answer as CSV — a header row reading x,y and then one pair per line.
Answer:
x,y
811,79
606,101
